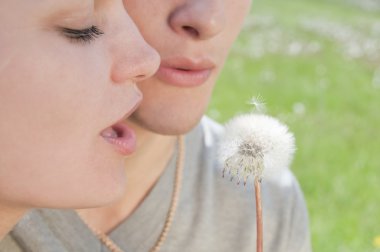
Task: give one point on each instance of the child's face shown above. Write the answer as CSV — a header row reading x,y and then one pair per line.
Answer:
x,y
193,38
67,73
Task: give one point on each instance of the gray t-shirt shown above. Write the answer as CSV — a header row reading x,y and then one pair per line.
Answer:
x,y
213,215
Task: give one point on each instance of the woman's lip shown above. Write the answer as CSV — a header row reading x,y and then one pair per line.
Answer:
x,y
185,72
121,136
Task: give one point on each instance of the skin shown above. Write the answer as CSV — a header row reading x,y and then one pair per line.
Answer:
x,y
168,110
175,110
57,95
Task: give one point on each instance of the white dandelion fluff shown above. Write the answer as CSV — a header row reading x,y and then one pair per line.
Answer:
x,y
255,145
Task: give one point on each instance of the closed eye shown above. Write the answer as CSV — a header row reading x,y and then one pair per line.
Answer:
x,y
83,36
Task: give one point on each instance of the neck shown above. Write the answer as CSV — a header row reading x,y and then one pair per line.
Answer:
x,y
143,169
9,216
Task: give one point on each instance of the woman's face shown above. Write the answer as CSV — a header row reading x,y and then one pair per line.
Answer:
x,y
193,38
67,74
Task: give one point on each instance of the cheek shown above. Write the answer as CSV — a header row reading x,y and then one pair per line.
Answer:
x,y
49,132
236,13
53,87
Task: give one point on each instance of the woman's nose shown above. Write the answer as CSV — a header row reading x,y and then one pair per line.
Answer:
x,y
134,59
199,19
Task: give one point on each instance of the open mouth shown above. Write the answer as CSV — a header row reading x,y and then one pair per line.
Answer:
x,y
121,136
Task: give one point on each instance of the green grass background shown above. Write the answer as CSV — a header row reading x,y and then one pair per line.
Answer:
x,y
316,64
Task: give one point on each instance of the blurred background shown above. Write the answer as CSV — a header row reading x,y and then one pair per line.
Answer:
x,y
316,65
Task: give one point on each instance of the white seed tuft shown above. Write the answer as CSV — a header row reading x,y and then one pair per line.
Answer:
x,y
255,145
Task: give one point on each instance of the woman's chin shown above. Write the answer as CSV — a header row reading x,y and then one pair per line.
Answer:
x,y
99,195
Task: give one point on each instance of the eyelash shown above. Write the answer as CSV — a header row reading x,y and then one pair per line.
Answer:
x,y
82,36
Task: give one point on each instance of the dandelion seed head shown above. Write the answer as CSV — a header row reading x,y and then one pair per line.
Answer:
x,y
255,145
249,149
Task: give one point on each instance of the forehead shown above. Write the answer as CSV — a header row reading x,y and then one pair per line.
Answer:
x,y
33,6
65,5
58,3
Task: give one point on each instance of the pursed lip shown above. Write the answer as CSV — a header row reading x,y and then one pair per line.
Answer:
x,y
185,71
120,135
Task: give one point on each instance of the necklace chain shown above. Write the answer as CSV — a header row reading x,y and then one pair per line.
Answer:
x,y
113,247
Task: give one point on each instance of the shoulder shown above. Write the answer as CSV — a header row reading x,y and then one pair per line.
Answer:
x,y
211,128
207,133
9,244
201,146
286,212
45,230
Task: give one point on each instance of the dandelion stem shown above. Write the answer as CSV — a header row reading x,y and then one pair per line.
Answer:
x,y
259,216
